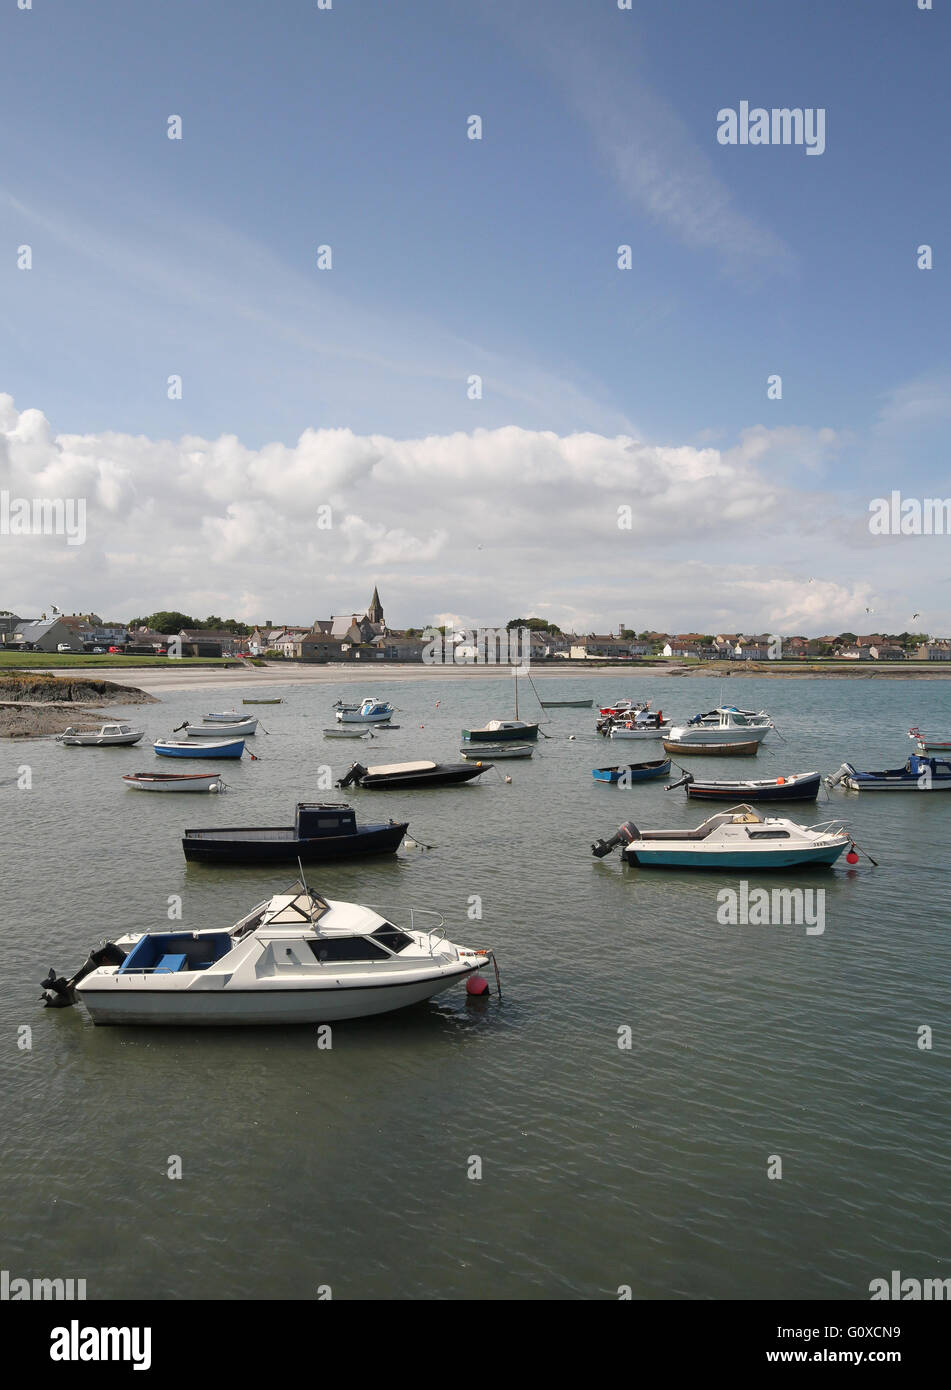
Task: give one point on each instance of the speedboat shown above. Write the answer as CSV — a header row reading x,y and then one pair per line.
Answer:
x,y
295,958
733,839
502,730
633,772
800,786
918,775
725,724
623,709
926,743
204,748
174,781
419,774
369,711
322,832
237,728
108,735
497,750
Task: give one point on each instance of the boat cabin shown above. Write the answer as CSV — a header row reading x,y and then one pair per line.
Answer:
x,y
315,819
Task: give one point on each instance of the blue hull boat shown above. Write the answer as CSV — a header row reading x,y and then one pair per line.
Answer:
x,y
734,839
918,775
205,748
633,772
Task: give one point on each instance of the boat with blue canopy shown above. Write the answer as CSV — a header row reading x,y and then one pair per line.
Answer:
x,y
918,775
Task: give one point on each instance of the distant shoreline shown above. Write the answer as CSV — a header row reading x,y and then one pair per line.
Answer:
x,y
244,680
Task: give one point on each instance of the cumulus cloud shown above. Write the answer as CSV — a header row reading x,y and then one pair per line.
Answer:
x,y
487,525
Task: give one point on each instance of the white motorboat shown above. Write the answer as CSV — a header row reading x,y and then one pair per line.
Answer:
x,y
734,839
726,724
108,735
174,781
347,731
482,752
646,724
240,728
296,958
369,711
228,716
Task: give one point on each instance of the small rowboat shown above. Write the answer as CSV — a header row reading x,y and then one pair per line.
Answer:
x,y
566,704
278,701
633,772
238,727
228,716
206,748
342,731
801,786
715,750
174,781
482,751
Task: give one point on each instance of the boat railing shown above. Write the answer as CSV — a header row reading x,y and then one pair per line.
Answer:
x,y
392,915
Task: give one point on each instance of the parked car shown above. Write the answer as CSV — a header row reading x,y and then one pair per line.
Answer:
x,y
98,650
63,647
116,650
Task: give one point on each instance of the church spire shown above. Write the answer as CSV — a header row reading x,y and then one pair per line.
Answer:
x,y
375,611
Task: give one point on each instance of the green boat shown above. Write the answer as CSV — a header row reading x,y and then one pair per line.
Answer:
x,y
566,704
262,702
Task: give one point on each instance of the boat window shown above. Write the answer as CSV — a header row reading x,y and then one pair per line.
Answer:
x,y
340,948
768,834
392,936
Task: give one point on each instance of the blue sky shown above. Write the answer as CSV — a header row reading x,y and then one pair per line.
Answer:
x,y
496,257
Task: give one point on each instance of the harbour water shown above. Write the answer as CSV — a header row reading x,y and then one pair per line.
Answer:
x,y
602,1166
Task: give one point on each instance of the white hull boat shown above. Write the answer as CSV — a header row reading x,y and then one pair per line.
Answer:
x,y
641,732
241,728
734,839
483,752
229,716
342,732
109,735
368,712
296,958
724,725
174,781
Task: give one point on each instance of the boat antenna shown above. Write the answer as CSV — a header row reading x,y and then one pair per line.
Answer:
x,y
303,880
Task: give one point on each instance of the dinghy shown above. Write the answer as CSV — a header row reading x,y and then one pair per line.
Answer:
x,y
918,775
800,786
107,736
633,772
174,781
566,704
201,748
278,701
346,731
497,750
321,833
239,727
734,839
744,749
420,774
295,958
230,716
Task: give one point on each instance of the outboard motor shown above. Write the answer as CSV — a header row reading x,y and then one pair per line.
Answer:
x,y
685,781
625,834
844,771
356,770
59,993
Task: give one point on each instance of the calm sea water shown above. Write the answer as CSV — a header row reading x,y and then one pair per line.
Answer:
x,y
600,1166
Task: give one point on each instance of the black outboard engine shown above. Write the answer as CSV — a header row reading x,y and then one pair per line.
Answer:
x,y
59,993
357,770
685,781
625,834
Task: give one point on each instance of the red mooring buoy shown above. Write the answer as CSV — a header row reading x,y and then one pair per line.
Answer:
x,y
851,857
476,984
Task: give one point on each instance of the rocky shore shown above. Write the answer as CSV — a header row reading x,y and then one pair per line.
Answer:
x,y
35,706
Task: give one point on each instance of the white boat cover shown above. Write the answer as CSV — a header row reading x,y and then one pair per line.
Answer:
x,y
387,768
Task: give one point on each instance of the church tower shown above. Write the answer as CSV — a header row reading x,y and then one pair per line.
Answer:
x,y
375,611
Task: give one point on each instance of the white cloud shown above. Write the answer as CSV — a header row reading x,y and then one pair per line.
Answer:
x,y
489,525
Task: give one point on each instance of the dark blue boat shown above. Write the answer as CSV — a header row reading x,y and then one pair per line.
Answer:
x,y
633,772
321,832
